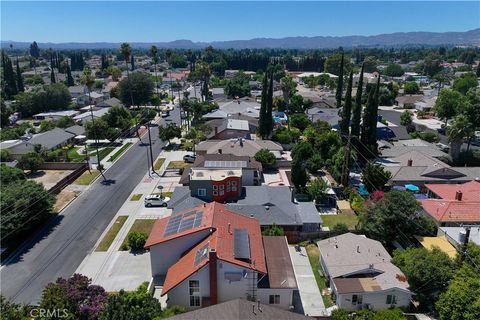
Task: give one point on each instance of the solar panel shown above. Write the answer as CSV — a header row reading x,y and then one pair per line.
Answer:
x,y
201,254
183,222
241,244
225,164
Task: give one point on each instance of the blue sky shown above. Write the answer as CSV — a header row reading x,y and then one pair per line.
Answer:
x,y
110,21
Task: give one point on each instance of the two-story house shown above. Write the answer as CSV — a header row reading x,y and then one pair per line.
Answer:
x,y
208,255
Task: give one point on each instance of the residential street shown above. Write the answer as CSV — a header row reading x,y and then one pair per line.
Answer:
x,y
59,249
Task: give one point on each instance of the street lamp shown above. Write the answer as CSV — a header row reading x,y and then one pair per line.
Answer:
x,y
160,188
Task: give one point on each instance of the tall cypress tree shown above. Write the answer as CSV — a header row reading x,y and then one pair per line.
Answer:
x,y
70,81
347,109
339,92
132,62
357,109
9,85
269,117
52,76
262,124
367,115
20,85
369,125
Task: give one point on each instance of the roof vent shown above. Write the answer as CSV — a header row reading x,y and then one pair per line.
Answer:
x,y
267,207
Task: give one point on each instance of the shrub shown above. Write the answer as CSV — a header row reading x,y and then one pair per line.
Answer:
x,y
427,136
136,240
266,158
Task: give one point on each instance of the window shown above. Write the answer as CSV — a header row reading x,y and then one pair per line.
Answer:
x,y
234,188
228,184
202,192
221,193
228,188
194,291
274,299
234,183
222,187
215,187
357,299
215,192
391,299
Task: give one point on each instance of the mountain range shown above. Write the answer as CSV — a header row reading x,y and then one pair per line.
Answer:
x,y
398,39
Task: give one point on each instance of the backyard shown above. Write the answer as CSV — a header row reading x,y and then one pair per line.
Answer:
x,y
330,220
314,258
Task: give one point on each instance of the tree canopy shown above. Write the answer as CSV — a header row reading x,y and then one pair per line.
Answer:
x,y
136,88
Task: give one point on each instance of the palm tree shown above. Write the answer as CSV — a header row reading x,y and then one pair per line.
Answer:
x,y
154,53
168,56
126,51
288,86
88,80
204,73
458,130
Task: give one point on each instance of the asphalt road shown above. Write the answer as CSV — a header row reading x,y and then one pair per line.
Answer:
x,y
59,248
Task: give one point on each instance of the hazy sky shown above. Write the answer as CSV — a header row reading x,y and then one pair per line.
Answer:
x,y
113,21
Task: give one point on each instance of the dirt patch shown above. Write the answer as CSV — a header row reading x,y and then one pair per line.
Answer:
x,y
49,178
64,198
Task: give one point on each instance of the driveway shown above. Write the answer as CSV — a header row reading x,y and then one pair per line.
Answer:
x,y
310,295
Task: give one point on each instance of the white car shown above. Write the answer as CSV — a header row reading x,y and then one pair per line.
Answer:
x,y
156,200
164,114
189,158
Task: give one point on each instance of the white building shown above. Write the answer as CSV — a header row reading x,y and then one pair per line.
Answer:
x,y
361,274
208,255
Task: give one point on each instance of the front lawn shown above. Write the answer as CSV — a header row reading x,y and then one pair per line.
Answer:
x,y
111,234
330,220
178,164
314,258
120,151
86,178
159,163
74,156
140,225
102,152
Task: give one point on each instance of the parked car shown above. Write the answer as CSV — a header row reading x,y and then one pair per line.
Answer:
x,y
164,114
443,147
189,158
156,200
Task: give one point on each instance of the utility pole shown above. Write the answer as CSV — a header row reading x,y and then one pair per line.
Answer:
x,y
346,164
465,242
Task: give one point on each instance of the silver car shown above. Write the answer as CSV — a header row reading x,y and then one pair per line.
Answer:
x,y
156,200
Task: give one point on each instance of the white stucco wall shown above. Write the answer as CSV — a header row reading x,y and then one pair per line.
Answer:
x,y
228,290
180,295
376,300
286,297
164,255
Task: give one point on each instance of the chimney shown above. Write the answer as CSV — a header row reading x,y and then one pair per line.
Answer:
x,y
409,162
458,195
220,151
215,129
212,263
358,249
241,142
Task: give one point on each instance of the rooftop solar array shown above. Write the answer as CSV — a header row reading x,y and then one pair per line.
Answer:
x,y
241,244
225,164
201,254
182,222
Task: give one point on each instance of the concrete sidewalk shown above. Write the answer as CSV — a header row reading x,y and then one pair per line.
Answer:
x,y
310,295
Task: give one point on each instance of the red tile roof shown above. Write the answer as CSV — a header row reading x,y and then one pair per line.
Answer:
x,y
452,210
222,223
470,190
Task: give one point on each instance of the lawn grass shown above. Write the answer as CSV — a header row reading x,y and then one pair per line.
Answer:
x,y
165,193
178,164
140,225
136,197
74,156
86,178
158,164
120,151
111,234
314,258
102,152
330,221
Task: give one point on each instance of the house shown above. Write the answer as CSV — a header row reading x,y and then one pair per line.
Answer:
x,y
419,168
240,309
408,101
76,130
55,115
87,116
238,147
367,78
228,128
243,107
252,122
208,255
49,140
361,275
457,235
270,205
451,205
329,115
319,101
112,102
251,169
77,91
92,98
440,242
